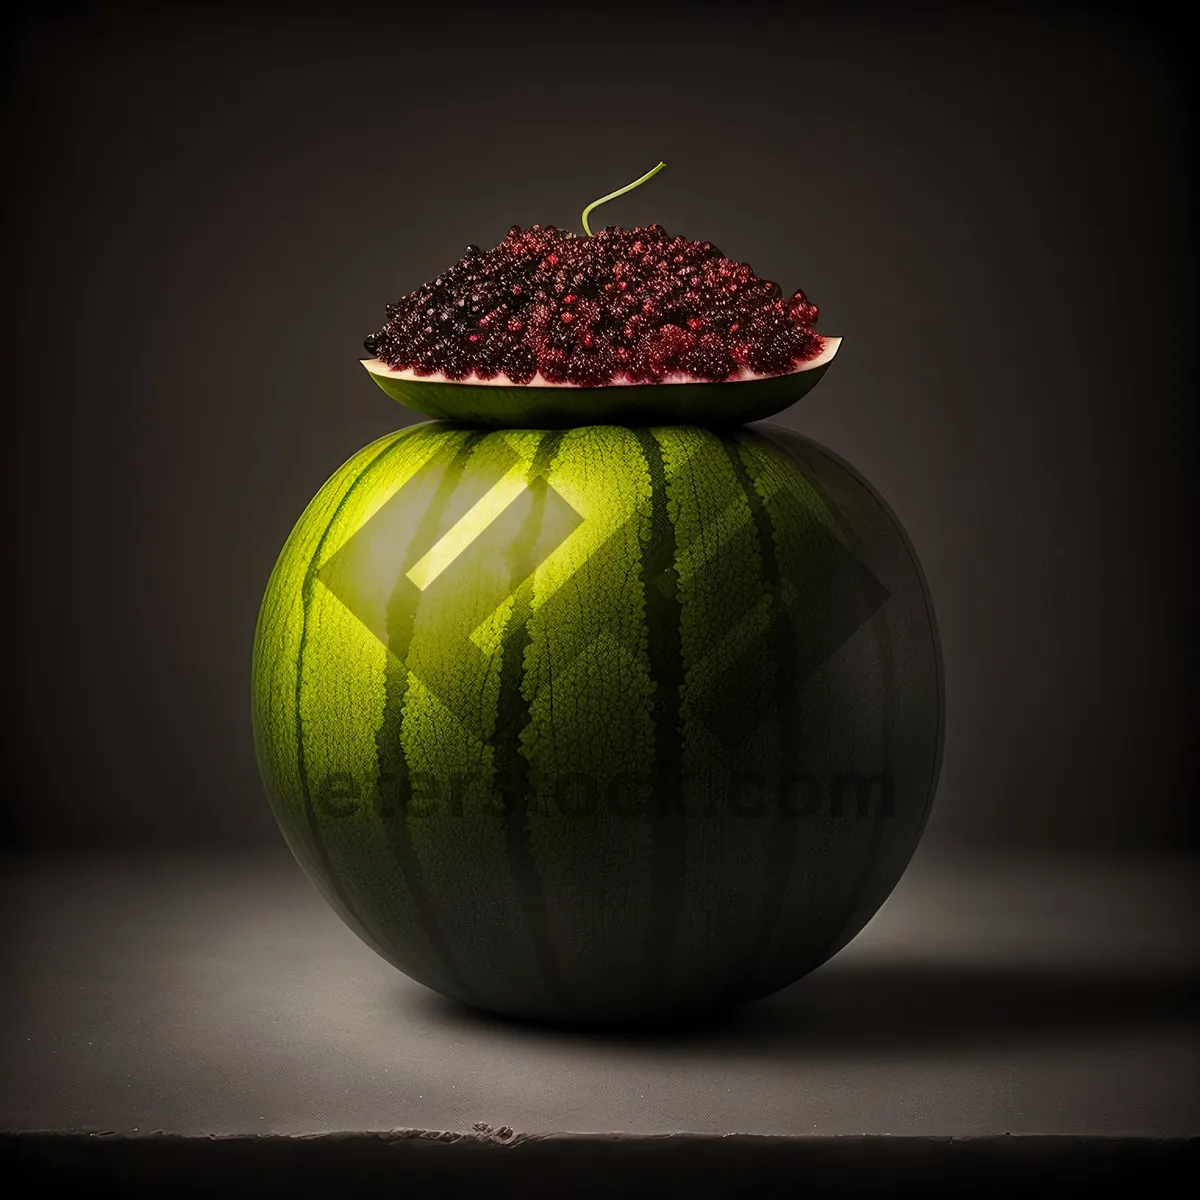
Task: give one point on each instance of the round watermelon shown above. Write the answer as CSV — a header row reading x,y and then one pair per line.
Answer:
x,y
602,723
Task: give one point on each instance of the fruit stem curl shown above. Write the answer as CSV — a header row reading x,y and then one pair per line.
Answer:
x,y
619,192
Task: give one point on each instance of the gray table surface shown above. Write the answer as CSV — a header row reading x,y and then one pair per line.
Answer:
x,y
200,996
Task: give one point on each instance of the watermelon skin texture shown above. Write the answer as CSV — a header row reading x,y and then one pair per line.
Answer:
x,y
603,724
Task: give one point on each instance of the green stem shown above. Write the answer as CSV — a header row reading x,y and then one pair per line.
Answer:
x,y
619,192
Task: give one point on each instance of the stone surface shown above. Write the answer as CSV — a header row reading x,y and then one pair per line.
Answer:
x,y
202,997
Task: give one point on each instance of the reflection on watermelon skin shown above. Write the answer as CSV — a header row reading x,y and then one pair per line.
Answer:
x,y
601,723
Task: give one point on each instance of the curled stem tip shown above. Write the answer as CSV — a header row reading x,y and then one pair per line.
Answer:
x,y
619,192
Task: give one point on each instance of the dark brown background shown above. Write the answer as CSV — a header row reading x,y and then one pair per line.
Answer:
x,y
206,209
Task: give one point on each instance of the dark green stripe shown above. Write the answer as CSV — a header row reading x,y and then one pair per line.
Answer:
x,y
513,715
341,898
660,587
389,748
782,641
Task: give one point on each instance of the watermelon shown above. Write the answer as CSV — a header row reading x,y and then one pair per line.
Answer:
x,y
497,402
599,724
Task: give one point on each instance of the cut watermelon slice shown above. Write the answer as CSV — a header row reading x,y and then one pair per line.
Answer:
x,y
541,404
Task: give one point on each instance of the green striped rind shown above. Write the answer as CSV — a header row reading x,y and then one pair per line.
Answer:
x,y
319,684
729,673
283,626
903,651
816,888
589,736
536,818
504,407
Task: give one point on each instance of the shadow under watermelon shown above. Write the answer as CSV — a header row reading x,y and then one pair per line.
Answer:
x,y
893,1008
